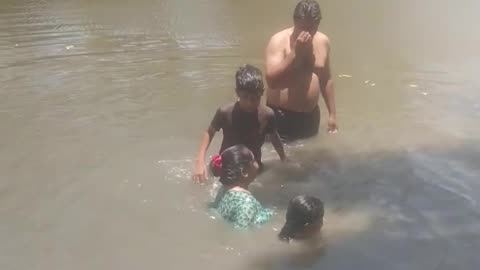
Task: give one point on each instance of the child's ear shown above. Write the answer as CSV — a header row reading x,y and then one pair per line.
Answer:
x,y
244,173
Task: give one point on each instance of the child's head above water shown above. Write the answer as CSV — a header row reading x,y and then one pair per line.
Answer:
x,y
304,218
249,87
237,166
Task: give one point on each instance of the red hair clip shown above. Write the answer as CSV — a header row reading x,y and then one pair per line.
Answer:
x,y
216,165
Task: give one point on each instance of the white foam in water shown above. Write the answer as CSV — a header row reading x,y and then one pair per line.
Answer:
x,y
215,188
294,145
165,161
179,171
369,83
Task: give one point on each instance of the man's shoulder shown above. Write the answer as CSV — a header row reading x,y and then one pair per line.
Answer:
x,y
281,36
321,38
283,33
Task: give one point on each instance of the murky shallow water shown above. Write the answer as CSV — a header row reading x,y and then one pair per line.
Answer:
x,y
103,102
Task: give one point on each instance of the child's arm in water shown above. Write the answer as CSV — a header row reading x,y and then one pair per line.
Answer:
x,y
274,137
200,172
278,145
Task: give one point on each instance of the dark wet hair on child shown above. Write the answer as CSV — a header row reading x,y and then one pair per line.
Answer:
x,y
249,79
233,161
302,211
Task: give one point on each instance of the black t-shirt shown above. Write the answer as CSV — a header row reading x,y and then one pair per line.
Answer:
x,y
247,128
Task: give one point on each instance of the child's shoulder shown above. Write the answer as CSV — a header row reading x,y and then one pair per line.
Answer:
x,y
226,108
265,110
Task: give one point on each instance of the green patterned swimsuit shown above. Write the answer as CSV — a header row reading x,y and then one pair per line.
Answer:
x,y
241,209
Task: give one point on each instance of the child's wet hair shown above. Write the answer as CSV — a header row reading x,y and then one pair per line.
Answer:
x,y
302,211
249,79
235,159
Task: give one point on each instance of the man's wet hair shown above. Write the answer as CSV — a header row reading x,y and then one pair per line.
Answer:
x,y
307,10
249,79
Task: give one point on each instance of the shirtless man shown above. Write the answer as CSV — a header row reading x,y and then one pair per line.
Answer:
x,y
297,71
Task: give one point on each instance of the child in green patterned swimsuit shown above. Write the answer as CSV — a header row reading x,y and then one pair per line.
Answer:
x,y
234,202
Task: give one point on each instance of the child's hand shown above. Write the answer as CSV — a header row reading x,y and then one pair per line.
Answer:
x,y
200,173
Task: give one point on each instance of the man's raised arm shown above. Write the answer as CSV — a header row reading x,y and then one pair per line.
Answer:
x,y
277,64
